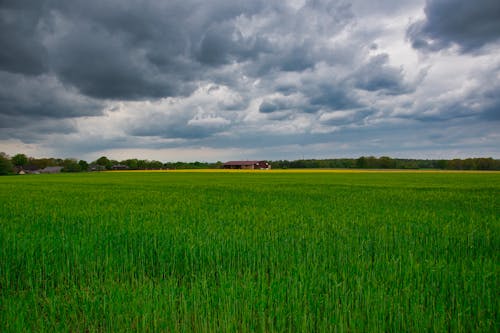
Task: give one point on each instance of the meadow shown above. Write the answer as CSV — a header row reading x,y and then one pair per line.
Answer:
x,y
250,252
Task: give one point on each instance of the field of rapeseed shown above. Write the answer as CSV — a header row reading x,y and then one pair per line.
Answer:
x,y
250,251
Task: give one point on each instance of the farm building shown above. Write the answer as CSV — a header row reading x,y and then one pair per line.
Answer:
x,y
96,167
26,169
120,167
252,165
51,169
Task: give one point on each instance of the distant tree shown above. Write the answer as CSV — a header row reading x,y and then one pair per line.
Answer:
x,y
104,161
386,162
442,164
70,165
141,164
361,162
84,166
455,164
39,162
485,164
155,165
19,160
5,164
131,163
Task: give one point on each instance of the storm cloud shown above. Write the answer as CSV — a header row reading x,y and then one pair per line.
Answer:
x,y
470,25
339,77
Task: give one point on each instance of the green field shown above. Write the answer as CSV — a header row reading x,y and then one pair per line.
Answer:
x,y
243,251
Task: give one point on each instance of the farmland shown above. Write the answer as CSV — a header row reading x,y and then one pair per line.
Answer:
x,y
250,251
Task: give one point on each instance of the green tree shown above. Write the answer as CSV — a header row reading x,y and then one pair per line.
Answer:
x,y
361,162
141,164
19,160
71,165
385,162
5,164
84,166
442,164
155,165
39,162
104,161
131,163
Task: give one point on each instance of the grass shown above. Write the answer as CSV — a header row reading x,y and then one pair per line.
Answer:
x,y
250,251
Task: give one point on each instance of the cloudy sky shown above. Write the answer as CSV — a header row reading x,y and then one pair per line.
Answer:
x,y
216,80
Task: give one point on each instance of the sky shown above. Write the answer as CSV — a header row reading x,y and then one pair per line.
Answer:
x,y
209,80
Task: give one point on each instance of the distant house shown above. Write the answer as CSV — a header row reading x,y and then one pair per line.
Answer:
x,y
51,169
251,165
96,167
27,169
120,167
34,170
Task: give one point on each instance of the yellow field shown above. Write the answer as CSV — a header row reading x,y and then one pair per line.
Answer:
x,y
312,171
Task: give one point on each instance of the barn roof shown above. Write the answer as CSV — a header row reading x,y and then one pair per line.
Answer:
x,y
51,169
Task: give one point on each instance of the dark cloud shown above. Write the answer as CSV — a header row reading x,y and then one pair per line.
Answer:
x,y
42,97
487,96
103,66
224,43
123,50
237,73
21,49
378,75
177,129
28,131
490,110
485,101
332,96
468,24
268,107
119,51
132,50
127,50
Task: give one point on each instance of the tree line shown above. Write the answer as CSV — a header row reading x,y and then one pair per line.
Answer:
x,y
385,162
10,165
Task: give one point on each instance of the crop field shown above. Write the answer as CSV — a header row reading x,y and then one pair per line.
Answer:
x,y
250,251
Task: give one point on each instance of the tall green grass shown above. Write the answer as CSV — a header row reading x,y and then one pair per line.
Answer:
x,y
227,252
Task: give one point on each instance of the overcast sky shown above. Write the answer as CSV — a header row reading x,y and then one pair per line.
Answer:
x,y
216,80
